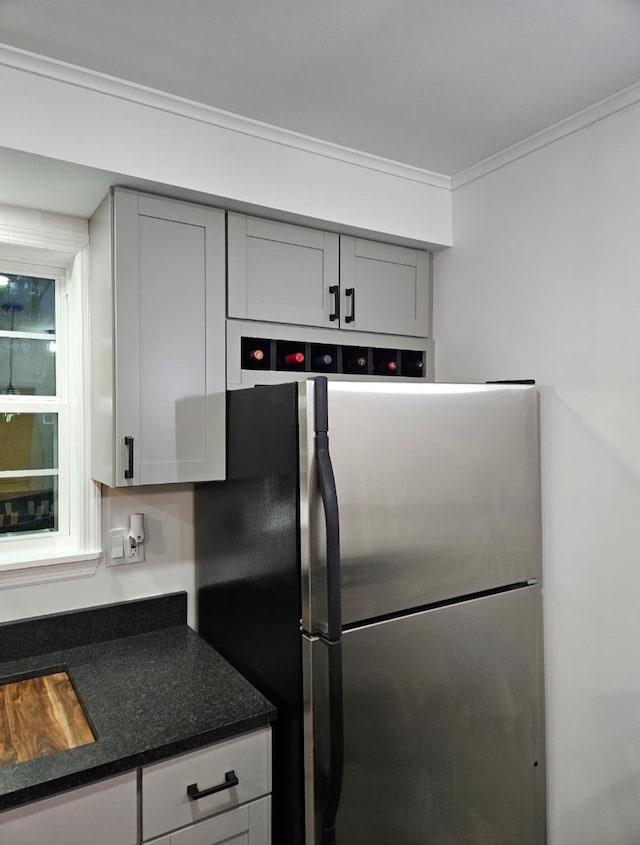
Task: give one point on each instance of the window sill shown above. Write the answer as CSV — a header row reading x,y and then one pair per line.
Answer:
x,y
24,570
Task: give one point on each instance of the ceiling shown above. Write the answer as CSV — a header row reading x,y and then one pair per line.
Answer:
x,y
440,84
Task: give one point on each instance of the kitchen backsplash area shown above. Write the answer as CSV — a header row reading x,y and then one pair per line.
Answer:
x,y
168,566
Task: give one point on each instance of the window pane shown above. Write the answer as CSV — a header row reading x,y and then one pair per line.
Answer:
x,y
28,504
28,441
27,367
27,304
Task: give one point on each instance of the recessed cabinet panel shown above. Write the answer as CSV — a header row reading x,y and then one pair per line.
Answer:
x,y
375,291
276,281
173,384
280,273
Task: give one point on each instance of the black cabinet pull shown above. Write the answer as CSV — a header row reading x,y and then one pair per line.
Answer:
x,y
352,293
128,443
335,290
230,780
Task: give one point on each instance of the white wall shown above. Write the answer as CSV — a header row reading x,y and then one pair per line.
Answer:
x,y
544,282
168,567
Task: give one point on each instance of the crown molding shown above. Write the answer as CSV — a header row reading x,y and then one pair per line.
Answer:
x,y
65,244
12,57
593,114
62,237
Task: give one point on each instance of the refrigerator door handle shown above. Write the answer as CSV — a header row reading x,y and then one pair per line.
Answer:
x,y
328,494
329,497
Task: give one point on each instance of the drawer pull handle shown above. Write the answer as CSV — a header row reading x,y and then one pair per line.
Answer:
x,y
230,780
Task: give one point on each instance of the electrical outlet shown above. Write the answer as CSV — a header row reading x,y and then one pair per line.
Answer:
x,y
134,552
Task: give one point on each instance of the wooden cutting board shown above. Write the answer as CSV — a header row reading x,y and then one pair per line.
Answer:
x,y
39,716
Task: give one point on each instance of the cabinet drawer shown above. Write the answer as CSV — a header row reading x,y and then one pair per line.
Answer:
x,y
165,802
246,825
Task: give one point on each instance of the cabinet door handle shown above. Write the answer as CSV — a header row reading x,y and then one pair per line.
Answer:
x,y
352,293
335,291
230,780
128,444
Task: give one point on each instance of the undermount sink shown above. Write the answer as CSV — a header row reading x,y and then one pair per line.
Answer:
x,y
40,715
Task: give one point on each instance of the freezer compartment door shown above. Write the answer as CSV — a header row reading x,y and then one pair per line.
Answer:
x,y
443,727
438,491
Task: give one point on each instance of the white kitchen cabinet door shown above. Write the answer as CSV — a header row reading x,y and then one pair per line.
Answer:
x,y
383,288
158,341
104,813
247,825
280,273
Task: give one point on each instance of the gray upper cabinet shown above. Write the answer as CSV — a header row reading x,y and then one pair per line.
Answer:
x,y
289,274
383,288
158,341
280,273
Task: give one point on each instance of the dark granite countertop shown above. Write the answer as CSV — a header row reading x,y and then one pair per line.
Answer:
x,y
152,692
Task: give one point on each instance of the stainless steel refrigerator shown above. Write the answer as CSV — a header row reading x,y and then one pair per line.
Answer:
x,y
373,565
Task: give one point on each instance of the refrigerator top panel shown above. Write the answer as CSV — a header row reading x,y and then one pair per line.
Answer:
x,y
438,490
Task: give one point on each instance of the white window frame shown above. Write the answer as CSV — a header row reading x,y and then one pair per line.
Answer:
x,y
74,549
33,542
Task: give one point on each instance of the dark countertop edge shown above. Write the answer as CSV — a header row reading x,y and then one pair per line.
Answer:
x,y
85,777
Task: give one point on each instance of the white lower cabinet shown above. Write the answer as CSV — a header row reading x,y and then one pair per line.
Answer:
x,y
210,795
220,793
104,813
246,825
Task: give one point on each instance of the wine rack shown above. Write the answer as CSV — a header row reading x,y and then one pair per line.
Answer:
x,y
258,353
